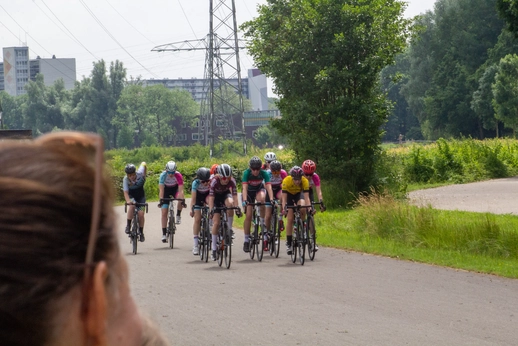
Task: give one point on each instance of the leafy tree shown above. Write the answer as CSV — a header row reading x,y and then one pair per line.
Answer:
x,y
268,136
325,57
12,108
508,10
482,100
505,92
400,120
444,60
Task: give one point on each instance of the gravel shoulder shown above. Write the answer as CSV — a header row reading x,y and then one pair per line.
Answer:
x,y
498,196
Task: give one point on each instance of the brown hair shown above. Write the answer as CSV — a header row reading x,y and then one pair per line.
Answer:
x,y
45,213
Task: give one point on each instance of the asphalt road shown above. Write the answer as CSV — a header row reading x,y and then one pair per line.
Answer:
x,y
341,298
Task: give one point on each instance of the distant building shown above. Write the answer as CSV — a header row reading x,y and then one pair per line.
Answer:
x,y
17,69
54,69
195,86
257,90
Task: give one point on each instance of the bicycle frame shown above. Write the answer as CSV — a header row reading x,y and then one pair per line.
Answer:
x,y
299,234
171,224
224,245
205,238
256,237
135,224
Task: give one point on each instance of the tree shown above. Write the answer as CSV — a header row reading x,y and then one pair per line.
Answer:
x,y
325,57
505,92
508,10
483,97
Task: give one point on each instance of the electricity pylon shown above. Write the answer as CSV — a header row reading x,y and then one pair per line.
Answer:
x,y
221,62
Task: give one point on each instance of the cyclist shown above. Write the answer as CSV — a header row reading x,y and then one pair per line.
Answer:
x,y
199,193
309,167
213,169
277,175
222,192
133,188
268,157
170,183
256,182
295,191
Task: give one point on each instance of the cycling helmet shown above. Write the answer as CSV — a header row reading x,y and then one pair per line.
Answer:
x,y
255,163
269,156
224,170
296,172
213,169
309,167
203,173
275,166
130,168
171,166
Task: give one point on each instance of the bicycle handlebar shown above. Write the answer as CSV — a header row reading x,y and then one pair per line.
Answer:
x,y
136,206
166,200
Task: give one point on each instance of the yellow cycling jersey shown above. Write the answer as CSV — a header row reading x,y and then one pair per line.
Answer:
x,y
289,186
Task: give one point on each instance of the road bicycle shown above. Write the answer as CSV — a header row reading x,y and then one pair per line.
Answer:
x,y
257,232
224,239
311,231
205,237
135,224
276,227
171,222
300,234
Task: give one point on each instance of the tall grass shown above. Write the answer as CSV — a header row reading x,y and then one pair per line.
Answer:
x,y
471,233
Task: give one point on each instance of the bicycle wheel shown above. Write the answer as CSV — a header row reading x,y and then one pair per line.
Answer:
x,y
201,240
294,247
301,242
277,239
221,244
253,236
312,237
227,249
134,235
171,228
271,237
260,244
208,242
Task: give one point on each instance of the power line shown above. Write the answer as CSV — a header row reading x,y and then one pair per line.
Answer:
x,y
82,45
112,37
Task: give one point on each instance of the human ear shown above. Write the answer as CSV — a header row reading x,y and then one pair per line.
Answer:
x,y
96,302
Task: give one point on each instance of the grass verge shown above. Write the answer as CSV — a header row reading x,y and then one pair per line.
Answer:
x,y
479,242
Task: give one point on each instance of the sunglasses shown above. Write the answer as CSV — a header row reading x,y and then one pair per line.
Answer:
x,y
168,172
255,169
224,178
87,145
205,181
276,172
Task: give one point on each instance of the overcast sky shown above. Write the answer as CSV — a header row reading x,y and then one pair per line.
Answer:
x,y
127,30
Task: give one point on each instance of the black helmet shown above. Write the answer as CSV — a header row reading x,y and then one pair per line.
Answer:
x,y
275,166
296,172
224,170
130,168
255,163
203,173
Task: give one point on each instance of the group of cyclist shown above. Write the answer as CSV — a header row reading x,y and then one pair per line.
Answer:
x,y
264,184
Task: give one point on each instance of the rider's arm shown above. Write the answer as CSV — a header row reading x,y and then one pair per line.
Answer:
x,y
127,197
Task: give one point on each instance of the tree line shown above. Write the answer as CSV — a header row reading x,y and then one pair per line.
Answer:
x,y
458,75
124,112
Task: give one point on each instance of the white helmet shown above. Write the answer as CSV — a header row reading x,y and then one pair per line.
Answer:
x,y
171,166
224,170
269,157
